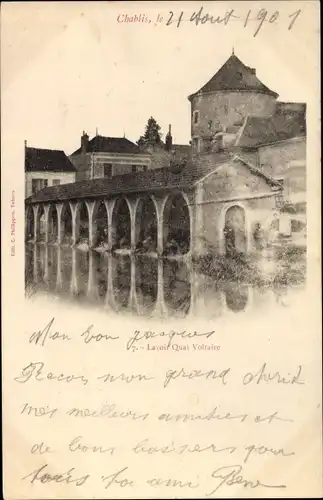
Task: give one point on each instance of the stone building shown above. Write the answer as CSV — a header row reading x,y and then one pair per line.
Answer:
x,y
239,188
46,167
104,157
235,112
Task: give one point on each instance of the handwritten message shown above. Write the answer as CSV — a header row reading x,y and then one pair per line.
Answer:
x,y
105,408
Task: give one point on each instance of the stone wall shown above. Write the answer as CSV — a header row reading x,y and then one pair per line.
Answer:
x,y
63,177
227,108
232,185
82,163
274,159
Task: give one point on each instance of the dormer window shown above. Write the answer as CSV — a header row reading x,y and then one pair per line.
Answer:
x,y
196,117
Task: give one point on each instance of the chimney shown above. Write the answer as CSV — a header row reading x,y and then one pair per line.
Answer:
x,y
84,142
25,142
169,139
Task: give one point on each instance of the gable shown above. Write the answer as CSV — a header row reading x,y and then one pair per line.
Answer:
x,y
236,179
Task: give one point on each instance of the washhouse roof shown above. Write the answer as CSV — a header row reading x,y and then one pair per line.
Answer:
x,y
152,180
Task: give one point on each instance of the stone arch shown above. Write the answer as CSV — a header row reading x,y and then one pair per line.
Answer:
x,y
121,224
146,227
52,223
177,224
234,229
66,223
100,221
30,223
41,223
82,221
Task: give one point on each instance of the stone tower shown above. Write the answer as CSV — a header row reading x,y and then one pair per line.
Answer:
x,y
219,108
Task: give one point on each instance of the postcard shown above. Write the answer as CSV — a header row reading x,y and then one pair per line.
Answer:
x,y
161,255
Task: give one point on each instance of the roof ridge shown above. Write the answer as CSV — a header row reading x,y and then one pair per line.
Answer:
x,y
46,149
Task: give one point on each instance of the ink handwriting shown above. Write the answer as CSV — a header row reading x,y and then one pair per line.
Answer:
x,y
67,477
41,336
263,375
256,18
45,334
229,475
211,374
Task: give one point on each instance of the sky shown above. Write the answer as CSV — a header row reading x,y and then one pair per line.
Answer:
x,y
69,67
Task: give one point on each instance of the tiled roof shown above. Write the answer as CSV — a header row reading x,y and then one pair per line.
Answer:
x,y
101,144
257,131
234,75
47,160
151,180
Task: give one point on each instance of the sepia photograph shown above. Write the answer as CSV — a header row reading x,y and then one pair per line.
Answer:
x,y
152,227
161,187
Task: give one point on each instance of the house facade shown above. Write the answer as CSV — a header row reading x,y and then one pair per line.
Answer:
x,y
45,168
105,157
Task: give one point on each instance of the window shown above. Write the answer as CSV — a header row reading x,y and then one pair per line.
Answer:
x,y
133,169
196,117
56,182
38,184
107,170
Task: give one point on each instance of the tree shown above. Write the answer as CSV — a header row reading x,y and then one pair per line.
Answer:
x,y
152,135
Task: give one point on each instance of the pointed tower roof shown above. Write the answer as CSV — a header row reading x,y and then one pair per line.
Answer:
x,y
234,75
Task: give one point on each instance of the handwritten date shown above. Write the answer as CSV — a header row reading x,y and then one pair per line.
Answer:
x,y
201,17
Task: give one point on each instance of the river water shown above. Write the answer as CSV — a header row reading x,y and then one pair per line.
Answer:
x,y
148,286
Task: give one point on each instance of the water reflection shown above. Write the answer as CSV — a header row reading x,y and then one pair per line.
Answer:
x,y
141,285
177,287
236,298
